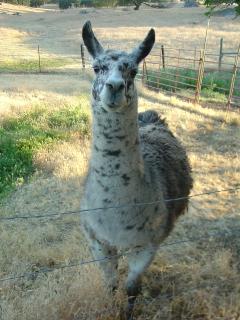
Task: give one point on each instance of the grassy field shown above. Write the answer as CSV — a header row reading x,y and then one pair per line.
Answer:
x,y
45,120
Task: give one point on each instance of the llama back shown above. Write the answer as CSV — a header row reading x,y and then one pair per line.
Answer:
x,y
165,162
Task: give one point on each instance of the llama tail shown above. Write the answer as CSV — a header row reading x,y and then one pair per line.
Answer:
x,y
149,117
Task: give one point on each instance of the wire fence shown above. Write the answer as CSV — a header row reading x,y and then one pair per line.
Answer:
x,y
120,206
33,275
123,253
197,75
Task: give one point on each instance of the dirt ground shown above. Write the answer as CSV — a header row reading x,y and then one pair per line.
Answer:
x,y
59,32
198,279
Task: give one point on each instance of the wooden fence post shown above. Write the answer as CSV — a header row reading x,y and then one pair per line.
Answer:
x,y
234,74
82,56
163,56
201,67
220,54
39,60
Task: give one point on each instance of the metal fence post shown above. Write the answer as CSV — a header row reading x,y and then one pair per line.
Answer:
x,y
220,54
199,78
39,60
201,67
163,56
234,74
177,71
82,56
143,72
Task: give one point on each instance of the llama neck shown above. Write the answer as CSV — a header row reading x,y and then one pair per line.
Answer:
x,y
115,147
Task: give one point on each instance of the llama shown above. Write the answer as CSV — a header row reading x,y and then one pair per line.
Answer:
x,y
134,159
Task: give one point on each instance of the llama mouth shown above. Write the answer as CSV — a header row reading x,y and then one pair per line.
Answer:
x,y
112,105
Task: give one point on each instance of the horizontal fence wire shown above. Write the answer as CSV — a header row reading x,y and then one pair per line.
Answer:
x,y
121,206
119,255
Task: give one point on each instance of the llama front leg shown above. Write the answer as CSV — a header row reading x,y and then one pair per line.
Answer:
x,y
109,265
138,262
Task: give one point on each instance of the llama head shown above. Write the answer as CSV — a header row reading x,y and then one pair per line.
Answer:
x,y
115,70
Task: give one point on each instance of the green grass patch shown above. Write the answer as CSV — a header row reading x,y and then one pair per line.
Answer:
x,y
32,65
21,137
215,85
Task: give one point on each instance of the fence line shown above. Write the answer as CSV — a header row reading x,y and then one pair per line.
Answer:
x,y
119,255
49,215
199,75
179,71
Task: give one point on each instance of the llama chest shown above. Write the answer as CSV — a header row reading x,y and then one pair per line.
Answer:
x,y
120,221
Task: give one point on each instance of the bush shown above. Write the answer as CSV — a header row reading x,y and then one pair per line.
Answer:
x,y
105,3
36,3
64,4
86,3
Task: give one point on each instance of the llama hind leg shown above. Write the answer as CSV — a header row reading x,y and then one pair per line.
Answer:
x,y
138,262
108,260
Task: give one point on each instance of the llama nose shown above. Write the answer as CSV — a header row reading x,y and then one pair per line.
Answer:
x,y
115,85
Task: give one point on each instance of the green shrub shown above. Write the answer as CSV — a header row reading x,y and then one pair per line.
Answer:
x,y
36,3
64,4
86,3
168,79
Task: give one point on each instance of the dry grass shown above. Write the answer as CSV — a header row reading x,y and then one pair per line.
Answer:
x,y
193,280
196,280
175,27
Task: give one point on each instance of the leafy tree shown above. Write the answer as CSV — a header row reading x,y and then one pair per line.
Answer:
x,y
212,4
36,3
64,4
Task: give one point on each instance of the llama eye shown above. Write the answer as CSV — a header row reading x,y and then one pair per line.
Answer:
x,y
104,68
96,69
133,73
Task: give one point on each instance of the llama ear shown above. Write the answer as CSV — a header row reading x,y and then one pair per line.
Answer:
x,y
145,47
90,41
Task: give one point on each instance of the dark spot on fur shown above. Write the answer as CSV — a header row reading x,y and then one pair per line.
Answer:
x,y
113,153
100,182
96,148
120,137
106,189
156,208
106,135
127,143
136,142
103,110
100,220
125,177
106,201
130,227
117,166
141,227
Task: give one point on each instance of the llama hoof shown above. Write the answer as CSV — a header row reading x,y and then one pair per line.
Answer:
x,y
129,312
114,289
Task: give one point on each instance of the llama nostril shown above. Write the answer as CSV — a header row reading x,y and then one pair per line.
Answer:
x,y
109,85
121,87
